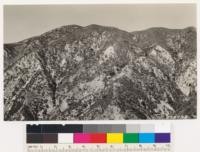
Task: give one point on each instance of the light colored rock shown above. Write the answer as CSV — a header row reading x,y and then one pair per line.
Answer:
x,y
188,79
64,106
107,54
164,108
163,57
78,58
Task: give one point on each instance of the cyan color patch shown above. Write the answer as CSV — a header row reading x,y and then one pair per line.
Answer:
x,y
146,138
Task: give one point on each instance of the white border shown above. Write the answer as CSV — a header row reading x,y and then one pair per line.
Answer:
x,y
186,132
93,1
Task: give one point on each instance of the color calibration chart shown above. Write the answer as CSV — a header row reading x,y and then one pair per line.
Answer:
x,y
98,138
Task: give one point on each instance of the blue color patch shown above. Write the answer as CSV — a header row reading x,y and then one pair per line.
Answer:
x,y
146,138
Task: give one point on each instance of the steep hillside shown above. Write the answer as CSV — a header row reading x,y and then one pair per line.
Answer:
x,y
96,72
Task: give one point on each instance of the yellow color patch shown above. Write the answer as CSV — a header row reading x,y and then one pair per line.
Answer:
x,y
114,138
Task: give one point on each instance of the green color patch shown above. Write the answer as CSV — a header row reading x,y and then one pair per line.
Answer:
x,y
131,138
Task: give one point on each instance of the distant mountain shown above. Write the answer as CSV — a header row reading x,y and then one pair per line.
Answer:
x,y
97,72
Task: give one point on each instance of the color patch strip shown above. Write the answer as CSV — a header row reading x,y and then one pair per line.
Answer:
x,y
42,138
48,128
162,138
100,128
114,138
98,138
71,128
81,138
146,138
147,128
131,138
107,128
162,128
118,128
33,129
65,138
104,128
34,138
89,138
99,133
91,128
132,128
50,138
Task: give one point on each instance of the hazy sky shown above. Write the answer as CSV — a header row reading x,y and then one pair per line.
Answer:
x,y
23,21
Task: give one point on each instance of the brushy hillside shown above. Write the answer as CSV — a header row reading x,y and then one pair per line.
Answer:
x,y
97,72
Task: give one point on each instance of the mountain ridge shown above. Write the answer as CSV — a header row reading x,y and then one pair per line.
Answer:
x,y
75,25
98,72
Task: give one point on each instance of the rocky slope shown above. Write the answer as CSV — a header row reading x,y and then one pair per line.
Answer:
x,y
96,72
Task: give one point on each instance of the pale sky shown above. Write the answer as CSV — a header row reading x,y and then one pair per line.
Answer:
x,y
25,21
